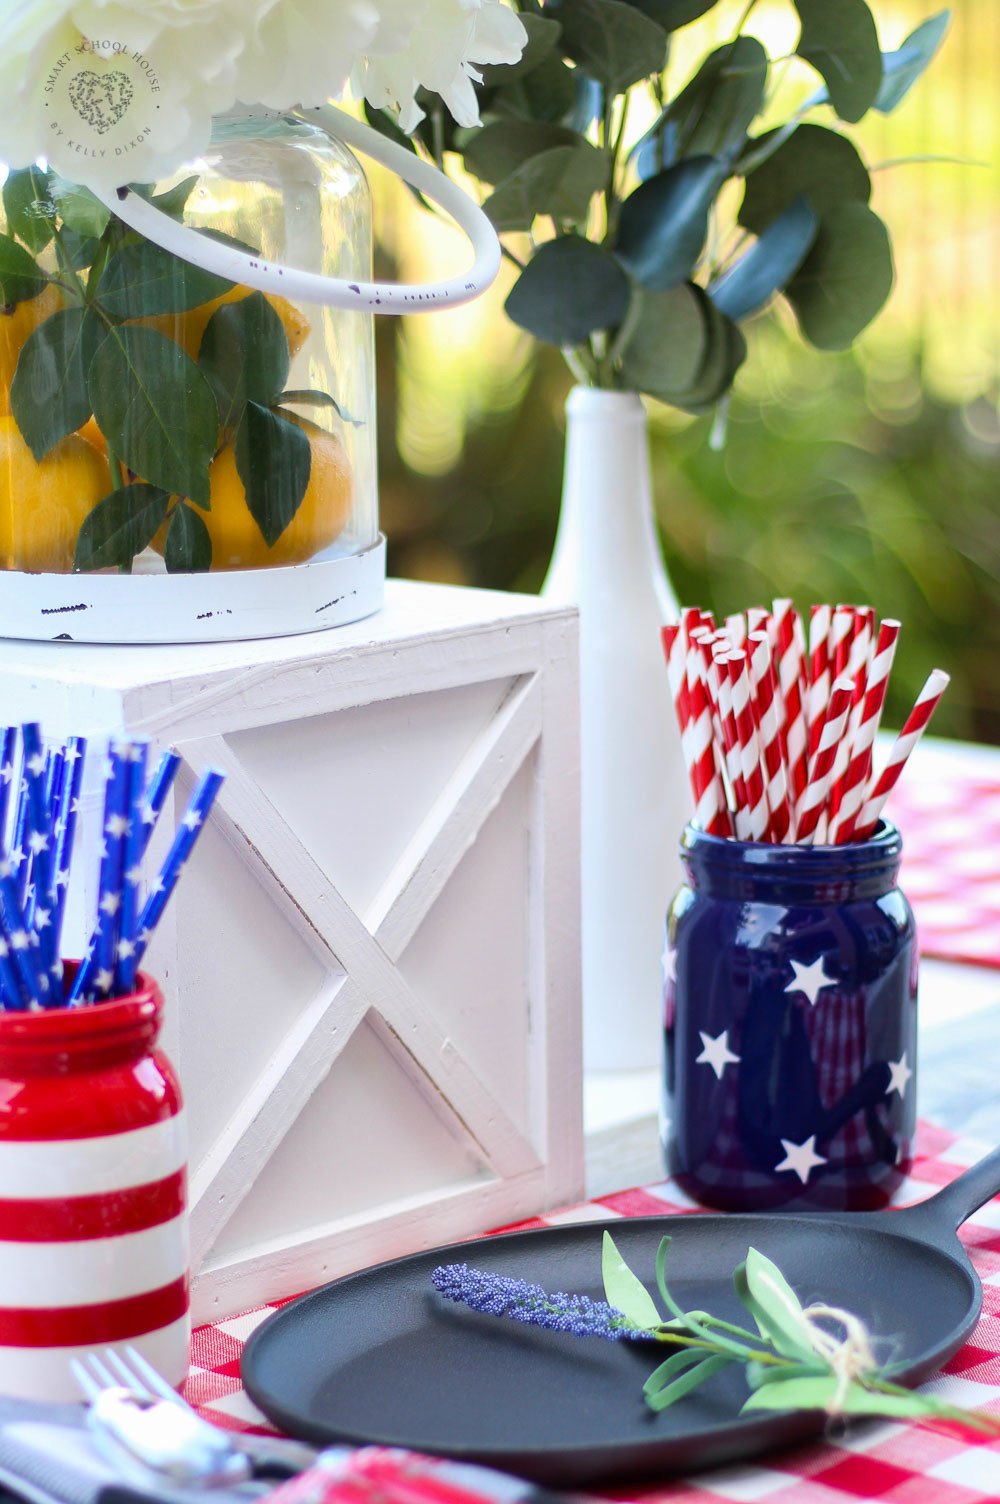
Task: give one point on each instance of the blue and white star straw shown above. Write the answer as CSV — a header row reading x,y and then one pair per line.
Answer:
x,y
156,795
34,985
14,996
8,753
162,888
65,833
135,845
96,974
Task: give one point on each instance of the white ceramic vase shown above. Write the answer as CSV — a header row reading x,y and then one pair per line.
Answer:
x,y
635,799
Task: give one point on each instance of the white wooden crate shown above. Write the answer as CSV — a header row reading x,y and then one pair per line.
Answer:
x,y
371,966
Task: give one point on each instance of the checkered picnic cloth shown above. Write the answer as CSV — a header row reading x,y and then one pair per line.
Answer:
x,y
951,861
900,1463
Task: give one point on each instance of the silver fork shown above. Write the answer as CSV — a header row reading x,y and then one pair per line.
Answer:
x,y
143,1426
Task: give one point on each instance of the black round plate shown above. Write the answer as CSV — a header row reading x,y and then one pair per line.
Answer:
x,y
379,1357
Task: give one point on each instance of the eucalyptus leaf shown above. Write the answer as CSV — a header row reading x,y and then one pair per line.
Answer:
x,y
713,112
120,526
20,276
188,548
839,39
79,209
686,1382
543,34
667,347
274,461
500,148
623,1289
559,183
672,14
588,101
156,409
613,42
768,265
244,355
547,93
664,222
816,164
142,279
725,352
27,202
845,279
49,396
902,68
569,288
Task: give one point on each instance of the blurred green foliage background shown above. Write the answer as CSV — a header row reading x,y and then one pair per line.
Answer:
x,y
871,476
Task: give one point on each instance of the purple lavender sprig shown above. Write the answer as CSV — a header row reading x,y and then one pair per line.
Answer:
x,y
497,1295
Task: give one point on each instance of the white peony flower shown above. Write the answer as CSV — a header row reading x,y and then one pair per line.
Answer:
x,y
114,91
434,44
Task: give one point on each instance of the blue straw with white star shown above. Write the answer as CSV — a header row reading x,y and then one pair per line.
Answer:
x,y
65,833
156,795
135,844
8,769
162,888
39,840
96,973
14,996
33,984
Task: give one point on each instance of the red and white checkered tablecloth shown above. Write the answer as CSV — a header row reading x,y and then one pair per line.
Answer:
x,y
949,817
899,1463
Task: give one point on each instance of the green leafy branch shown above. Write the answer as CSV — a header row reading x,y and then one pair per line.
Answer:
x,y
792,1361
615,242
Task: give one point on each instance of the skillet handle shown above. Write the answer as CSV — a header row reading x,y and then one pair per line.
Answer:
x,y
945,1212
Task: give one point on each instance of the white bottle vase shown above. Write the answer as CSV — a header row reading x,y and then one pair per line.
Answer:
x,y
635,798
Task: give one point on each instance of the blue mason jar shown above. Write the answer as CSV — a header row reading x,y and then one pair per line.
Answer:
x,y
790,1024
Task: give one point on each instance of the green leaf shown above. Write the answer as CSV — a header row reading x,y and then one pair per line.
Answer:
x,y
845,279
839,39
78,208
754,279
48,395
725,352
174,200
668,343
79,250
20,277
156,409
244,354
188,549
672,14
816,1394
623,1289
141,279
543,34
671,1393
383,122
613,42
816,164
687,1357
500,148
664,222
775,1306
311,398
120,526
546,94
712,114
559,183
902,68
274,461
27,201
569,288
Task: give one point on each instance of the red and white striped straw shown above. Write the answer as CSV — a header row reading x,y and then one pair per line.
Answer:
x,y
764,702
856,669
750,758
913,729
736,629
697,742
813,803
794,690
871,706
730,740
819,672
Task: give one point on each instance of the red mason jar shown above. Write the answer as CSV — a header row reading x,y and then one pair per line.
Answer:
x,y
93,1196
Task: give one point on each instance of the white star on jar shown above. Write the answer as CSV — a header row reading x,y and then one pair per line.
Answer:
x,y
899,1075
802,1159
810,979
716,1052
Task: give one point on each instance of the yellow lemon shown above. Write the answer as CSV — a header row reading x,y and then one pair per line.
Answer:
x,y
43,503
16,324
236,539
187,329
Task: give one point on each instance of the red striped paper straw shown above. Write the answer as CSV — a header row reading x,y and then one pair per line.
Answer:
x,y
730,740
764,703
813,803
791,664
872,704
750,758
711,809
736,629
856,669
819,672
913,729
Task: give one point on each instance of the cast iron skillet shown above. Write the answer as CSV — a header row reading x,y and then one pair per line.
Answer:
x,y
378,1357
